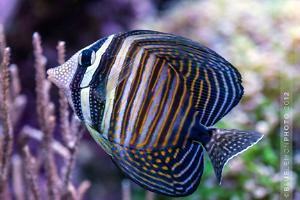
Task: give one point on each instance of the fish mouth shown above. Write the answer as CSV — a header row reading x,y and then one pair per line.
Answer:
x,y
52,77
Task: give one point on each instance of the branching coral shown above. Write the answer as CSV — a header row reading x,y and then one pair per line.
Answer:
x,y
46,118
7,129
58,179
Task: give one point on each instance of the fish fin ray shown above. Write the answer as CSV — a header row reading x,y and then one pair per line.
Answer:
x,y
172,171
212,81
215,92
226,144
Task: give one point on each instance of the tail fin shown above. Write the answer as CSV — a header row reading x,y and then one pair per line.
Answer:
x,y
225,144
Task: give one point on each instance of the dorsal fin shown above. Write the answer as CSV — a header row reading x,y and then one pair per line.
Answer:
x,y
212,81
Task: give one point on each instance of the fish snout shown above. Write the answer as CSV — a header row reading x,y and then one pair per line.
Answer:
x,y
51,75
56,77
62,75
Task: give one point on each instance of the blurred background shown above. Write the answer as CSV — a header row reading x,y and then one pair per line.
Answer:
x,y
260,38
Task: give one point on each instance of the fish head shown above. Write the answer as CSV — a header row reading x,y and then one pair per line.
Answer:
x,y
77,72
68,75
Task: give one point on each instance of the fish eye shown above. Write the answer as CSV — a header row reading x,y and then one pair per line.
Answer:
x,y
86,58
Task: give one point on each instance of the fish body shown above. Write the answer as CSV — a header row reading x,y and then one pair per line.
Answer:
x,y
150,99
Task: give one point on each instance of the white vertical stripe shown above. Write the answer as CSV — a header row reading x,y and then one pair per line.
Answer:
x,y
112,83
233,97
113,79
163,114
224,100
85,104
88,75
117,66
107,112
158,92
218,94
138,98
120,58
207,99
124,99
231,72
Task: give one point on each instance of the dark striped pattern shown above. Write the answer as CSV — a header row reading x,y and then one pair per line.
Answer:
x,y
152,98
172,171
78,76
175,81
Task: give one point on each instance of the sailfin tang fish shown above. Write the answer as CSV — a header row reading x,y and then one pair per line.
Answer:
x,y
150,100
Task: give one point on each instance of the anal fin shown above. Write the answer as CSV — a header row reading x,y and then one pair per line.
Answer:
x,y
171,171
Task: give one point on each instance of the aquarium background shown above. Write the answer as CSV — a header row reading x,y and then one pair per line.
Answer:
x,y
260,38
